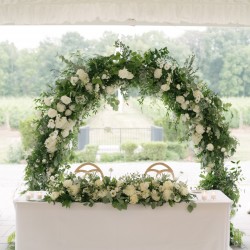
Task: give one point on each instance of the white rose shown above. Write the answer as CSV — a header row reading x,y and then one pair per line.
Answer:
x,y
72,107
102,193
208,129
69,125
199,129
157,73
184,105
165,87
167,194
74,80
197,95
185,117
125,74
223,150
210,147
54,195
196,109
113,193
66,100
110,90
196,138
60,107
209,167
133,199
98,182
67,183
167,185
89,87
50,144
177,186
180,99
184,191
51,124
167,66
97,88
129,190
145,194
61,122
52,113
155,195
83,76
65,133
68,112
178,86
144,186
74,189
48,100
105,77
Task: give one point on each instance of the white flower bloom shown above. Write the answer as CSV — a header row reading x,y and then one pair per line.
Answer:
x,y
145,194
72,107
223,150
129,190
157,73
185,117
52,113
65,133
89,86
67,183
196,138
199,129
210,147
119,183
197,95
177,186
60,107
184,191
54,195
83,76
125,74
184,105
110,90
97,88
51,123
74,189
196,109
61,122
167,66
51,141
48,100
165,87
144,186
80,99
178,86
105,77
102,193
74,80
180,99
65,99
167,185
208,129
155,196
167,193
133,199
68,112
98,182
113,193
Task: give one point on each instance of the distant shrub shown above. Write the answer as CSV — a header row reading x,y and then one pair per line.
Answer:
x,y
86,155
172,156
246,116
111,157
153,151
180,148
129,150
233,118
16,154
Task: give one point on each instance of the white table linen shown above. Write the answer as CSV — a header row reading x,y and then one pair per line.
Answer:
x,y
43,226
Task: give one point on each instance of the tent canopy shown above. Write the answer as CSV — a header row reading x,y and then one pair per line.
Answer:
x,y
127,12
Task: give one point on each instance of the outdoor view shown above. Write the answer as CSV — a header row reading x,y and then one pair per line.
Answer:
x,y
140,132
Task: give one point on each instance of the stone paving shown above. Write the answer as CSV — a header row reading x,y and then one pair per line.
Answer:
x,y
11,179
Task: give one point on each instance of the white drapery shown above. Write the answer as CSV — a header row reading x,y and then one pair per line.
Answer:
x,y
128,12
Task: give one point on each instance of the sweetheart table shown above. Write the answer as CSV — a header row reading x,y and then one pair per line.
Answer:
x,y
40,226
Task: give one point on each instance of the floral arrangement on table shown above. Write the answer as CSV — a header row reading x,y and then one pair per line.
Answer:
x,y
129,189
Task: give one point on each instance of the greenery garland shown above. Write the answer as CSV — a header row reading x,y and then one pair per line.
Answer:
x,y
84,82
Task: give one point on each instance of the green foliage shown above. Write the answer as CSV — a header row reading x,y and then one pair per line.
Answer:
x,y
153,151
180,148
129,150
111,157
11,241
235,236
27,130
16,154
233,118
86,155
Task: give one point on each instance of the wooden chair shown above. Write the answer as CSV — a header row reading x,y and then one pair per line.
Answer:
x,y
95,168
159,172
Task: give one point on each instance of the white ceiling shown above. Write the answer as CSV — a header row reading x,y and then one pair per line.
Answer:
x,y
129,12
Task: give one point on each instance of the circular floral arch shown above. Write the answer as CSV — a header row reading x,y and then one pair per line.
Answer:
x,y
84,83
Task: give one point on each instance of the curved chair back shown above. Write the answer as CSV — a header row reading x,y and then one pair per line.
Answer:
x,y
82,169
159,172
